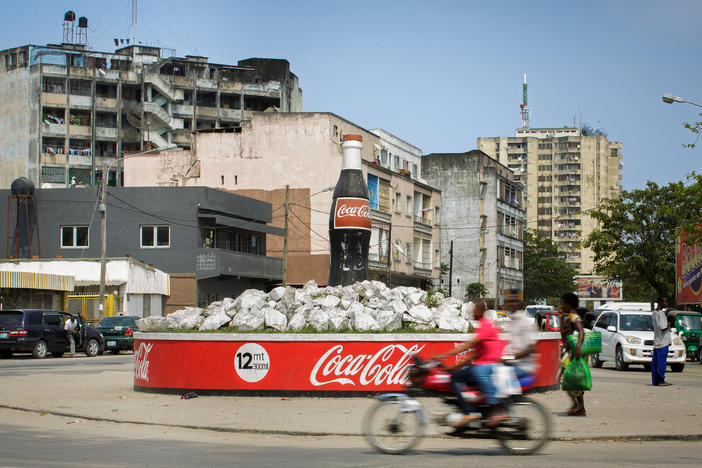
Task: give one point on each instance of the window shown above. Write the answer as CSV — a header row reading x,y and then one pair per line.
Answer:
x,y
384,157
155,236
147,305
398,201
437,215
53,175
408,253
396,162
74,237
408,210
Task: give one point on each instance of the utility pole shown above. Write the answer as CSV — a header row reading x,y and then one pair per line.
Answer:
x,y
103,236
450,268
285,238
389,254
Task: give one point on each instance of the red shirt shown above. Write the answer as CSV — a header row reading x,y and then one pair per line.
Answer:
x,y
490,346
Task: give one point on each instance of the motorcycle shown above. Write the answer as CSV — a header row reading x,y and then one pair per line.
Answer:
x,y
396,422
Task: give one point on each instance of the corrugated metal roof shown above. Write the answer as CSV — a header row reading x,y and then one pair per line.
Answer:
x,y
29,280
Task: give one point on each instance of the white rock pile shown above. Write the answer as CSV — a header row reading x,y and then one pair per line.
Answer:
x,y
364,306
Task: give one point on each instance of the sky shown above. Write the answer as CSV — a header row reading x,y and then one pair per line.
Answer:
x,y
441,74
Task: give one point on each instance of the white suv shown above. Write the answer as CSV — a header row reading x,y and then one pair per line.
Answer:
x,y
627,338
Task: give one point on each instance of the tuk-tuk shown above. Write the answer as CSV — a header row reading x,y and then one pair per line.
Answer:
x,y
689,326
552,322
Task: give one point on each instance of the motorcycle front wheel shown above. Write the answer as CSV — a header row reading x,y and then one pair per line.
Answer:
x,y
528,427
391,428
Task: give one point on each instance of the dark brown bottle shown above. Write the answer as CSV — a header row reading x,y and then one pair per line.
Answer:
x,y
349,219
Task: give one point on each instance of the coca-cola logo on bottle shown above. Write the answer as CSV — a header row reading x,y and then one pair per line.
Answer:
x,y
352,213
384,367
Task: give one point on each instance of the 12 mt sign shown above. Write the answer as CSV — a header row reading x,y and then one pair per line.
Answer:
x,y
251,362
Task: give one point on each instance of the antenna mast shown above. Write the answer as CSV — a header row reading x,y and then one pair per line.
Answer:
x,y
133,28
523,106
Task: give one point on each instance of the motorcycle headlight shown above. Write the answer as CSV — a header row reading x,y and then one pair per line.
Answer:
x,y
678,342
633,340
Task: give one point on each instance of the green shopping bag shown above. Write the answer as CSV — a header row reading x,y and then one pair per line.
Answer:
x,y
576,377
592,342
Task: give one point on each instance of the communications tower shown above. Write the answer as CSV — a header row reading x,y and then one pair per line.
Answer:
x,y
523,106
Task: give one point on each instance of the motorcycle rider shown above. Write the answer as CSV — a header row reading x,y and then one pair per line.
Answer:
x,y
522,337
476,366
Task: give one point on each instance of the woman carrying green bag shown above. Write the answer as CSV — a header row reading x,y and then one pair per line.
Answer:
x,y
571,323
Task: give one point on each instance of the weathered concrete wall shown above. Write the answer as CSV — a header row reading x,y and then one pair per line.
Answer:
x,y
458,178
19,126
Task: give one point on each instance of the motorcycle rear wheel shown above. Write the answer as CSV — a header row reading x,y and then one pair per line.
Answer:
x,y
528,428
388,429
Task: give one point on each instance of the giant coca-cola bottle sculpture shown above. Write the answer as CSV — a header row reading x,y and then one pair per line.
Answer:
x,y
349,219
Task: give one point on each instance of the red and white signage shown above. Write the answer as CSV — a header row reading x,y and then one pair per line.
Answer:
x,y
352,213
292,365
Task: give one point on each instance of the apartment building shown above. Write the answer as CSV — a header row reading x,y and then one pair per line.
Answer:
x,y
482,222
565,172
303,151
68,110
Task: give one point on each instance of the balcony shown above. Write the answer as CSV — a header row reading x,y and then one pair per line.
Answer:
x,y
182,109
53,158
421,268
204,111
212,263
234,114
106,132
79,130
53,99
55,129
381,214
75,100
108,103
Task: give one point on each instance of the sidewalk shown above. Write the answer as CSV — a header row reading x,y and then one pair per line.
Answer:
x,y
622,405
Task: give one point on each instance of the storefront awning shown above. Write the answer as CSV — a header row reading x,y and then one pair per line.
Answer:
x,y
29,280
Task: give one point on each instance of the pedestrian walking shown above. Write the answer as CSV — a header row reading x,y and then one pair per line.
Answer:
x,y
661,343
571,323
70,328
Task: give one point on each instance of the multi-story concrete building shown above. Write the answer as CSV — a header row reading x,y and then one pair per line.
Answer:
x,y
303,151
481,223
67,110
565,173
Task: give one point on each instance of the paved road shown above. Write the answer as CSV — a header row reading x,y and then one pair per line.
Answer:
x,y
24,364
55,441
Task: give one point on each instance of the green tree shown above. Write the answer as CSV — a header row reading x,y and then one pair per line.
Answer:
x,y
546,274
636,239
695,128
475,290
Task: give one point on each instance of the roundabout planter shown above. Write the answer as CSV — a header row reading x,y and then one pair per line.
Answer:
x,y
296,363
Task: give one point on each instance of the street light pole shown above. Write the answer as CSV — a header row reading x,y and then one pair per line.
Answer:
x,y
103,219
671,98
285,239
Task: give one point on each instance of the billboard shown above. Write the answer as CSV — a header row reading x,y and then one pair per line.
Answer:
x,y
598,288
688,271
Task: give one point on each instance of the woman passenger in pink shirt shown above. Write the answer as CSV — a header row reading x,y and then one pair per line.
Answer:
x,y
475,368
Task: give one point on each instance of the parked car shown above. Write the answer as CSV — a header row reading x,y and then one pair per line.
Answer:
x,y
627,338
40,332
118,332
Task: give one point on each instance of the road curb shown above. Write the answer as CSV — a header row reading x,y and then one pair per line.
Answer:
x,y
613,438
